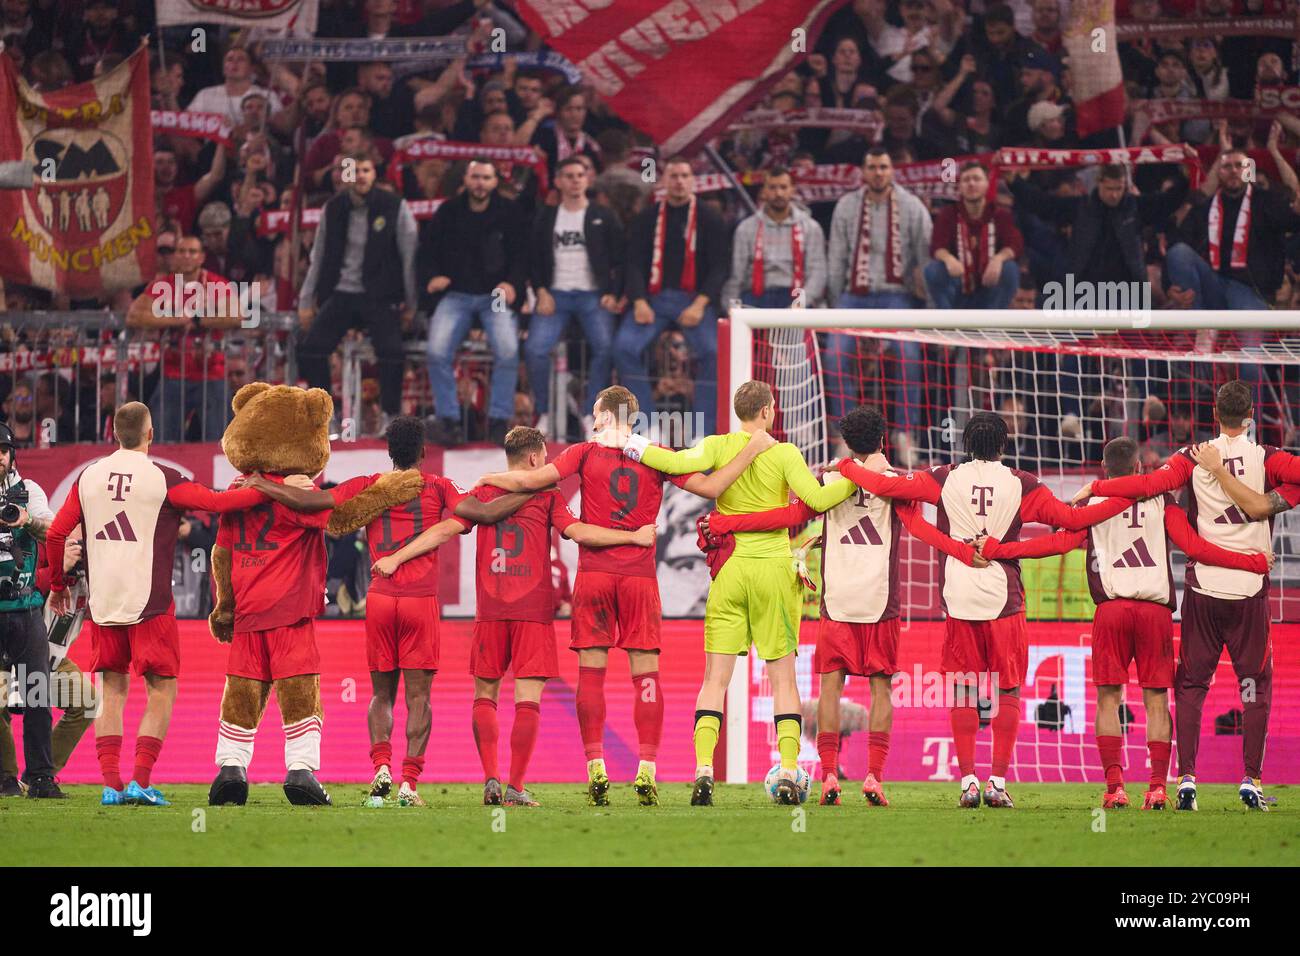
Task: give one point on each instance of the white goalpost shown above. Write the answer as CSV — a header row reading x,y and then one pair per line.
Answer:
x,y
1066,380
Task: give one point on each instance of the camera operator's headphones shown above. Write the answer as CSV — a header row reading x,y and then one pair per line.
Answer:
x,y
7,441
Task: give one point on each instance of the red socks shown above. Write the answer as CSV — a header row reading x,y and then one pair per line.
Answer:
x,y
1111,748
109,751
381,754
877,751
1006,724
485,735
828,749
965,725
591,710
523,736
146,754
412,767
648,712
1158,752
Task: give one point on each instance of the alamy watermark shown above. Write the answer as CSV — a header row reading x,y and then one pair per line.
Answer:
x,y
1125,299
174,297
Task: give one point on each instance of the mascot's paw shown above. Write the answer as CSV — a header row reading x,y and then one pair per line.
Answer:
x,y
392,489
222,626
303,790
229,789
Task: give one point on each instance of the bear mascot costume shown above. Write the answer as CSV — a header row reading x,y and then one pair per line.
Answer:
x,y
268,582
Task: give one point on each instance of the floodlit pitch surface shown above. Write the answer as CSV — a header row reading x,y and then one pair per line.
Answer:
x,y
1053,824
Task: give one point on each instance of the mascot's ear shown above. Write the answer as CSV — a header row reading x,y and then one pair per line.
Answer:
x,y
246,394
320,406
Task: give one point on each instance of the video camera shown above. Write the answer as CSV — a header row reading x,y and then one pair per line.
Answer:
x,y
12,501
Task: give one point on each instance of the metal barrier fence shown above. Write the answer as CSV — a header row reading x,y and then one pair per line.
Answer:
x,y
63,373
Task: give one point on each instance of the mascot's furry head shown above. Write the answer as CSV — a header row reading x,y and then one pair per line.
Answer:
x,y
279,430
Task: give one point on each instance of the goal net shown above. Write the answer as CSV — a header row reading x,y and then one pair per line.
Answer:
x,y
1065,386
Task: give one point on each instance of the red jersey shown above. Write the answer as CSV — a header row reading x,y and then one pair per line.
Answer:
x,y
616,493
191,354
399,526
277,564
514,559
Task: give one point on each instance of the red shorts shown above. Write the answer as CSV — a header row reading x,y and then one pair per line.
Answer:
x,y
402,632
525,647
151,647
857,648
604,602
1000,647
1125,630
274,654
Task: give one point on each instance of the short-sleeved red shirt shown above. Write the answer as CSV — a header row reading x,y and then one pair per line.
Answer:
x,y
399,526
277,564
514,559
616,493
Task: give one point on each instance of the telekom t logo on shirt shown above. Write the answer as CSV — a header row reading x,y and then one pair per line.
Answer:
x,y
981,498
1236,466
119,484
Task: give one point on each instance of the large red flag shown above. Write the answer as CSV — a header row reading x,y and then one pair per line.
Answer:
x,y
1096,80
86,225
680,70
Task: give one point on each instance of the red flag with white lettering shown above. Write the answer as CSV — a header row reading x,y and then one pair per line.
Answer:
x,y
1096,80
85,226
680,71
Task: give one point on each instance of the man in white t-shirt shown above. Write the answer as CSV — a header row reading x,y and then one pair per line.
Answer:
x,y
228,98
577,272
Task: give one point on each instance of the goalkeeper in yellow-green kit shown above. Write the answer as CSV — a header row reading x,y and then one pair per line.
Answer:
x,y
755,597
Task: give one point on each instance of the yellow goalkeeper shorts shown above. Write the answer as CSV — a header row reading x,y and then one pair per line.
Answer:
x,y
753,601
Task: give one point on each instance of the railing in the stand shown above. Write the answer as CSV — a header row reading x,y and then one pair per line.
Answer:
x,y
62,373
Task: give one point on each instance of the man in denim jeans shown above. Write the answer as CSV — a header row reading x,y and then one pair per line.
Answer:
x,y
677,261
880,239
577,271
474,251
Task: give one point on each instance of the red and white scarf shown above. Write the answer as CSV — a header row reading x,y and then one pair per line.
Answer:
x,y
1240,234
564,149
688,257
796,242
973,256
861,283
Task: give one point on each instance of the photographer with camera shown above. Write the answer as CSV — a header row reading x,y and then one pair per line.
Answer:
x,y
25,518
71,690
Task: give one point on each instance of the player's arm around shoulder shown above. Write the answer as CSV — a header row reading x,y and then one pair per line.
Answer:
x,y
1257,506
703,457
474,510
718,481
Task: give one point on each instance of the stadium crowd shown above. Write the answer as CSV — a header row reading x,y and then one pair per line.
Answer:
x,y
465,307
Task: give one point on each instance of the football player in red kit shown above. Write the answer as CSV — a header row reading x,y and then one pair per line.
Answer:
x,y
402,611
514,614
616,593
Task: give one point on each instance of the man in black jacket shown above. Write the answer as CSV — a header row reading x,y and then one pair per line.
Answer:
x,y
1234,251
474,250
363,274
677,260
577,271
1106,238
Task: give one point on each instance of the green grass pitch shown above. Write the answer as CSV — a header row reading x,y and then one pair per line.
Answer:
x,y
1053,824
